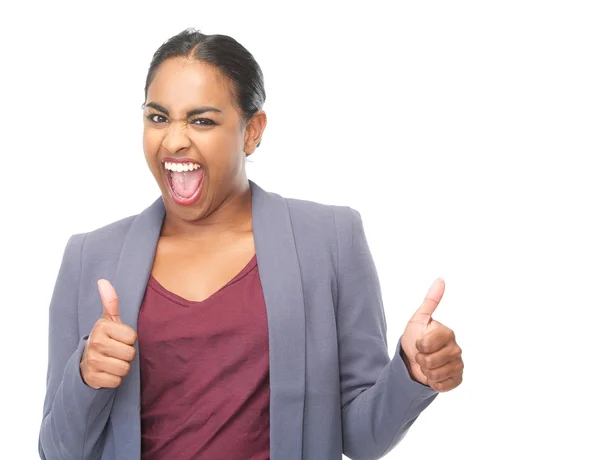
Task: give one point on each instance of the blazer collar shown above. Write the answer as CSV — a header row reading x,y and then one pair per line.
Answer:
x,y
279,273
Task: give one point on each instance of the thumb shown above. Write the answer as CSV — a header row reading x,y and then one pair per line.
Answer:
x,y
110,301
432,300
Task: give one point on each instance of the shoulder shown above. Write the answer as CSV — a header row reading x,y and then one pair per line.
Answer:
x,y
316,217
111,231
339,221
332,235
108,237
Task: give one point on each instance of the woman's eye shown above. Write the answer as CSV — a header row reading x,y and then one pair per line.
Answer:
x,y
203,121
155,118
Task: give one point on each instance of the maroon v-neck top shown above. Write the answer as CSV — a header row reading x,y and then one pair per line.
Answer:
x,y
205,372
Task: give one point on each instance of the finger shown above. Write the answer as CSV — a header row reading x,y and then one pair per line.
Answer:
x,y
110,301
120,332
112,366
448,353
448,384
448,370
435,338
106,380
432,300
118,350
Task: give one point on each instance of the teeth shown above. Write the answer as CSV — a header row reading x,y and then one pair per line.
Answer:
x,y
179,167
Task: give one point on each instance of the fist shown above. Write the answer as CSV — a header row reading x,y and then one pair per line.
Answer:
x,y
429,348
109,349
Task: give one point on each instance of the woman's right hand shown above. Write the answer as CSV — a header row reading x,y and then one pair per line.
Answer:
x,y
109,347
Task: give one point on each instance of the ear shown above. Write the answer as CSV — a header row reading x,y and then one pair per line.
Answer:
x,y
254,130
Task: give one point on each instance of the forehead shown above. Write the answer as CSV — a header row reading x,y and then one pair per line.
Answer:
x,y
181,82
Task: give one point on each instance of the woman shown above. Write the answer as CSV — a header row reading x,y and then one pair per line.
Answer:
x,y
237,324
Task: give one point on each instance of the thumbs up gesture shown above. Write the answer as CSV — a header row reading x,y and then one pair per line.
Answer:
x,y
109,347
429,348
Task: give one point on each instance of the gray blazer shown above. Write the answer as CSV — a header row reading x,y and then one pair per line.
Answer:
x,y
333,387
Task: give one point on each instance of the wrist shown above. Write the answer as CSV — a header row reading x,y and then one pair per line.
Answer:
x,y
404,358
83,368
82,371
408,365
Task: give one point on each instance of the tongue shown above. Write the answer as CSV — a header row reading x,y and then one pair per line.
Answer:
x,y
185,183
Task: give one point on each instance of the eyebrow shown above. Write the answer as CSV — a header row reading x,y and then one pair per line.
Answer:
x,y
190,113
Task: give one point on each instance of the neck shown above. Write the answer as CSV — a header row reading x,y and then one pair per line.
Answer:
x,y
233,215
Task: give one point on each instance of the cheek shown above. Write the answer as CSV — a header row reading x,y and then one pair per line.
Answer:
x,y
151,145
215,140
220,149
151,142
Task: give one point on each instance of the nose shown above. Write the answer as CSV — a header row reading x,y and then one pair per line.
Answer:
x,y
176,138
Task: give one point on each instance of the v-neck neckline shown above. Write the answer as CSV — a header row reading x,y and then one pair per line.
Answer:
x,y
160,289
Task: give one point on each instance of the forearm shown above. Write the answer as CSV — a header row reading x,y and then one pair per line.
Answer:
x,y
74,424
379,417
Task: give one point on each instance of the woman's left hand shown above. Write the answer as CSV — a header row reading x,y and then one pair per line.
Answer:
x,y
429,348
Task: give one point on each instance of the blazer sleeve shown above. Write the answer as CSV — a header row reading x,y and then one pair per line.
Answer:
x,y
75,415
380,401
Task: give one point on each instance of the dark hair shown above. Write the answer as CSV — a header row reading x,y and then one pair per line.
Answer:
x,y
223,52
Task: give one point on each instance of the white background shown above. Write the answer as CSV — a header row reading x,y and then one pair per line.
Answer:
x,y
465,132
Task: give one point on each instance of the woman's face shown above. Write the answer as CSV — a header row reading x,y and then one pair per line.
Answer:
x,y
189,114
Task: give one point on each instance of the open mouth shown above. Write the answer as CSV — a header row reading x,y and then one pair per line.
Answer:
x,y
184,181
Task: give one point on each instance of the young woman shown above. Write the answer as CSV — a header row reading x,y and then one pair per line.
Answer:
x,y
225,321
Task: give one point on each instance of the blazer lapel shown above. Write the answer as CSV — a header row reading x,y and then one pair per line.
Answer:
x,y
130,282
279,272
